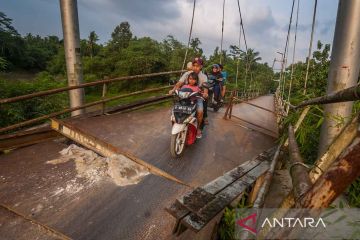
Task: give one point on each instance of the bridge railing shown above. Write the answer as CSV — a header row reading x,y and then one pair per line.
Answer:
x,y
316,186
104,83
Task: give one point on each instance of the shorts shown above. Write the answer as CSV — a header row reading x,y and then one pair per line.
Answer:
x,y
200,105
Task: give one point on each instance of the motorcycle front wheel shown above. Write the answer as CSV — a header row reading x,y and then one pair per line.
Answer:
x,y
177,144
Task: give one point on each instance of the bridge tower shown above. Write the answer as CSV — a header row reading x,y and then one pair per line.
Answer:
x,y
344,68
70,25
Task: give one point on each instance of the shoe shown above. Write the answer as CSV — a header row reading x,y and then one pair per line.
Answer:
x,y
198,134
221,100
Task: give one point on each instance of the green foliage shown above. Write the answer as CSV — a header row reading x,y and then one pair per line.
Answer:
x,y
29,52
227,223
353,193
3,64
120,37
309,132
36,107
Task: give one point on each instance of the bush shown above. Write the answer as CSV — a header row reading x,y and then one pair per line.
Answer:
x,y
23,110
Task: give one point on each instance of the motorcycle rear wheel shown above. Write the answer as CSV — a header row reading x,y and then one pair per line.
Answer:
x,y
177,144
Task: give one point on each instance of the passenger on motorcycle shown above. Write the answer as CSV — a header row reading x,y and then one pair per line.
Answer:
x,y
197,65
216,75
224,73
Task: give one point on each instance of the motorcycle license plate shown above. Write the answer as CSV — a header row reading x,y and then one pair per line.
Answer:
x,y
183,109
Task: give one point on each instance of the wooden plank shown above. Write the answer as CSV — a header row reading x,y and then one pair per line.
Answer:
x,y
196,221
222,182
195,200
202,195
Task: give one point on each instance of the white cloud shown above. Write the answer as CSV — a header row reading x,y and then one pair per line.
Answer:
x,y
265,21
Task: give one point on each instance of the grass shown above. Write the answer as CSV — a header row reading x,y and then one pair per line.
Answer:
x,y
226,230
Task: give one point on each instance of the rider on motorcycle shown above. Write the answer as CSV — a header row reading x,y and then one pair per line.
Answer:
x,y
197,65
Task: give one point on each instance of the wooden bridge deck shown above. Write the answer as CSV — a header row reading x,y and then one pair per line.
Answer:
x,y
55,196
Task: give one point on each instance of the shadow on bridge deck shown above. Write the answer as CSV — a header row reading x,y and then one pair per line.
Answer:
x,y
106,211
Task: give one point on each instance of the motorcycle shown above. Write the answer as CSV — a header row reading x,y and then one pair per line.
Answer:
x,y
184,121
214,86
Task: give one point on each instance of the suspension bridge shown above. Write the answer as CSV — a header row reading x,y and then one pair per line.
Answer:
x,y
108,173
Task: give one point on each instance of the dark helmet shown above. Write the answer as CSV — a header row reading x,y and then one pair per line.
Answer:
x,y
221,66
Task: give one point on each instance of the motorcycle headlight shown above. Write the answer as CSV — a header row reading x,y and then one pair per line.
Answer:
x,y
183,95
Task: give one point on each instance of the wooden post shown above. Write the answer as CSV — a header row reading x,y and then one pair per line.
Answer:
x,y
231,104
104,91
228,111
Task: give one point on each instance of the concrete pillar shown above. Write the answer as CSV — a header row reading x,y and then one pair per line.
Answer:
x,y
70,25
344,69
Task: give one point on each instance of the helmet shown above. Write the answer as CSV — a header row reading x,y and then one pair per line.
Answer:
x,y
221,66
198,60
215,66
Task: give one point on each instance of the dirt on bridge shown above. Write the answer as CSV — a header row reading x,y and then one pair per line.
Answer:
x,y
88,204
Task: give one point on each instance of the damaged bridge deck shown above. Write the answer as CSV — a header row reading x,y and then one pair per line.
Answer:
x,y
83,200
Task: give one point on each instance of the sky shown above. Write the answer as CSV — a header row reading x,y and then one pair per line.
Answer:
x,y
265,21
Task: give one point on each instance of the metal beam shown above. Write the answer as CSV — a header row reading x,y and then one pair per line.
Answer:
x,y
67,110
83,85
70,25
346,95
26,138
299,172
105,149
344,69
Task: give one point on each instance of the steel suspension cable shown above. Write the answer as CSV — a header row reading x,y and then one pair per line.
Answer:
x,y
294,50
222,32
190,33
238,61
286,49
310,46
247,67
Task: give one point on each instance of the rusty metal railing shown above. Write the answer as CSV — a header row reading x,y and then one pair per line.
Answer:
x,y
68,110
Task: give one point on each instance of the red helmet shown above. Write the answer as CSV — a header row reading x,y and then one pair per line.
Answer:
x,y
198,60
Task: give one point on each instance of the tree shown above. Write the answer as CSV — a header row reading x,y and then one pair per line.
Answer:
x,y
250,56
5,25
195,46
92,39
235,52
121,36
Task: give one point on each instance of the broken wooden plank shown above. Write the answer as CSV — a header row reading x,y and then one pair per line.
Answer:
x,y
194,200
196,221
179,211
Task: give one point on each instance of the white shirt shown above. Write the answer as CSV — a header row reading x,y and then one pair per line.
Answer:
x,y
202,78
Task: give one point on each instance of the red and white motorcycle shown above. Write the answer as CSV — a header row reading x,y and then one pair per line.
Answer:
x,y
183,118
